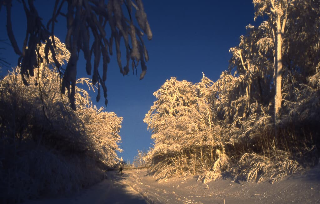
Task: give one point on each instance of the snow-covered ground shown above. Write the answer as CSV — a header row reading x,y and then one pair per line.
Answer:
x,y
135,187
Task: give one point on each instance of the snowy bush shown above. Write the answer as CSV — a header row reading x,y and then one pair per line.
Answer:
x,y
254,167
220,166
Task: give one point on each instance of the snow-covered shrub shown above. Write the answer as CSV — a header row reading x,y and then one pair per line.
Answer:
x,y
220,166
164,170
258,168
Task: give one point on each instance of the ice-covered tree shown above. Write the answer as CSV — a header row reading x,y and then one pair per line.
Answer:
x,y
86,19
277,11
302,44
169,117
62,149
139,159
289,32
183,126
253,60
205,100
234,116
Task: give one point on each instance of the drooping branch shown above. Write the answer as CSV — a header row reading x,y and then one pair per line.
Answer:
x,y
94,15
87,19
8,4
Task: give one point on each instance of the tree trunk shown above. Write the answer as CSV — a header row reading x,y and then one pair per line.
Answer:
x,y
278,71
201,156
212,138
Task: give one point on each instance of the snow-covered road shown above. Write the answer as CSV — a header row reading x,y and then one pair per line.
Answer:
x,y
296,189
110,191
135,187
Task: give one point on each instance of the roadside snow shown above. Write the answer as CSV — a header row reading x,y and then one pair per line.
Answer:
x,y
135,187
111,191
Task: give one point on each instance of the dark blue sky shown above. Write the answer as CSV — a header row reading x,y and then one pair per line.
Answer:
x,y
189,37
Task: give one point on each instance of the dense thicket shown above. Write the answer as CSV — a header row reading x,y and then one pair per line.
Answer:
x,y
46,148
231,126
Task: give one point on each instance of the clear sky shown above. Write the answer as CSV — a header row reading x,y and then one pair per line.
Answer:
x,y
189,37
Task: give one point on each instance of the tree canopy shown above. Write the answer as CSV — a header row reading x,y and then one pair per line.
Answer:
x,y
86,20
